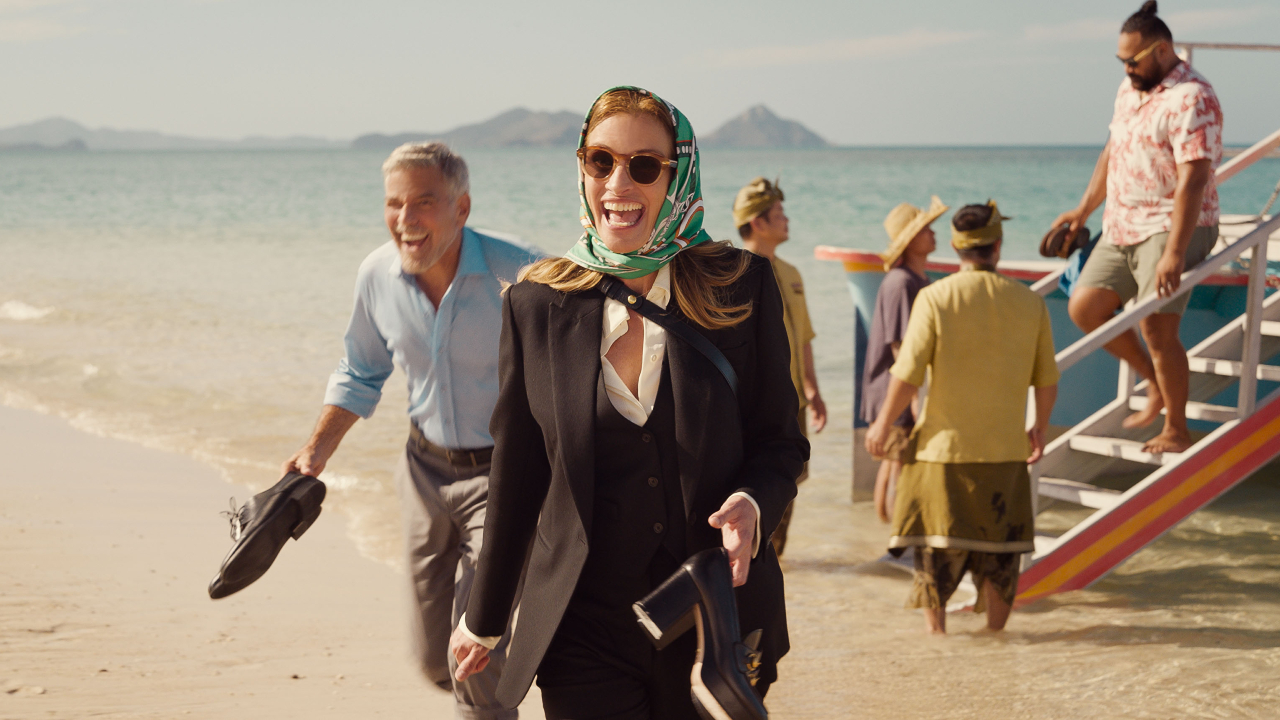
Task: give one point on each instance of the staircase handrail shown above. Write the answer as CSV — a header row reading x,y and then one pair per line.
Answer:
x,y
1149,305
1047,284
1255,152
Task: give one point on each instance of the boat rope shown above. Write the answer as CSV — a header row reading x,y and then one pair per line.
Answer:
x,y
1261,215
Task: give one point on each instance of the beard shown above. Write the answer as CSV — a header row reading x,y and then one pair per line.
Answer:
x,y
416,265
1143,83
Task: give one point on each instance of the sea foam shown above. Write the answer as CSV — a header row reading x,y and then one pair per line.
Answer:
x,y
18,310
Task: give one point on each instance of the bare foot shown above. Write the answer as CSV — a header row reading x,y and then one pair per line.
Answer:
x,y
1145,416
1168,441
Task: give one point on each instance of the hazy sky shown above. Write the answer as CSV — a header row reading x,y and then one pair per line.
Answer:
x,y
873,73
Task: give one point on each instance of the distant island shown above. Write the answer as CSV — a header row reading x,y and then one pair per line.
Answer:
x,y
758,127
63,134
518,127
73,145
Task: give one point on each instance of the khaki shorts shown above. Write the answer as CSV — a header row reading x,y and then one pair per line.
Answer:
x,y
1130,270
895,446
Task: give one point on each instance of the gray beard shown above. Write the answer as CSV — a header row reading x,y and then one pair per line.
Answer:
x,y
417,267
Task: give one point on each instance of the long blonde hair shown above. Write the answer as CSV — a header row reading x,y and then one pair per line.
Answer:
x,y
700,279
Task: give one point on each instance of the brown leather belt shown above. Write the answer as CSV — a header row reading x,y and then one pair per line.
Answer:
x,y
457,458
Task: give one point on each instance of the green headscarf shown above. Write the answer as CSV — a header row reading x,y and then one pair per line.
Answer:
x,y
679,222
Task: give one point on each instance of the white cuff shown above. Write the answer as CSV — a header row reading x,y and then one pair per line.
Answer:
x,y
488,642
755,543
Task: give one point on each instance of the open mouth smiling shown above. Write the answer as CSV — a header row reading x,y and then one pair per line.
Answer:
x,y
412,241
622,214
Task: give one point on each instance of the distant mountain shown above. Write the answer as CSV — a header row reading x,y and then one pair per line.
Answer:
x,y
758,127
76,145
61,133
518,127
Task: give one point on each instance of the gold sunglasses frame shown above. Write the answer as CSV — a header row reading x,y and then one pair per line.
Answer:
x,y
1133,61
625,162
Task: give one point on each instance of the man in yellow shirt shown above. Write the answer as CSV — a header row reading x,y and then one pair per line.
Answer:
x,y
964,502
763,226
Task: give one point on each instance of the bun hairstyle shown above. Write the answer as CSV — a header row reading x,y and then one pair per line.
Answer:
x,y
972,217
1147,24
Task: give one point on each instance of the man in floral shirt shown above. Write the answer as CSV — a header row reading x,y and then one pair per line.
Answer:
x,y
1161,217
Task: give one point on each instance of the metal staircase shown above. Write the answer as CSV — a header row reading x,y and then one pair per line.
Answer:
x,y
1176,484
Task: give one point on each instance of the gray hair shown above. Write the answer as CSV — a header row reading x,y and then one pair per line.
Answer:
x,y
431,155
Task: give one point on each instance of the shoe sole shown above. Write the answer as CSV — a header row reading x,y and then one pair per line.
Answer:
x,y
704,700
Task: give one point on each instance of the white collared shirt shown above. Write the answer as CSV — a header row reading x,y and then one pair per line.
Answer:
x,y
636,409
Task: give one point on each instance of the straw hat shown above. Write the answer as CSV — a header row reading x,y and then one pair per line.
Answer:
x,y
904,223
755,199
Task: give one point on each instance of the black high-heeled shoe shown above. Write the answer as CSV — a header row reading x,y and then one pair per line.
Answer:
x,y
700,594
260,528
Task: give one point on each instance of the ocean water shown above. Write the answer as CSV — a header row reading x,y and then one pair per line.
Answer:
x,y
196,302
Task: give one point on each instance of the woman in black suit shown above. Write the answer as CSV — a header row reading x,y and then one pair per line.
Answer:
x,y
619,450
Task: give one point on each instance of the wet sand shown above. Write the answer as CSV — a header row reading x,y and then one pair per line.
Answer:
x,y
106,548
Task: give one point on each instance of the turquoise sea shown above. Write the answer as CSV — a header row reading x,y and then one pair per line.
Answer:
x,y
196,302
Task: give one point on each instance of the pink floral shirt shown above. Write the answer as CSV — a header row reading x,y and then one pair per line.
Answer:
x,y
1180,120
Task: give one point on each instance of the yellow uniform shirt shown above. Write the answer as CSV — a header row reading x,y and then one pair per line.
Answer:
x,y
986,339
795,316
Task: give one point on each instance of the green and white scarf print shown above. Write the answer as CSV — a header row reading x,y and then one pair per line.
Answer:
x,y
679,222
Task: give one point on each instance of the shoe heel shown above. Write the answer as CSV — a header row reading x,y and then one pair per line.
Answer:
x,y
308,498
668,612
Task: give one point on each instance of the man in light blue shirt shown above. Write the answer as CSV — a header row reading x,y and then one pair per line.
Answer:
x,y
430,301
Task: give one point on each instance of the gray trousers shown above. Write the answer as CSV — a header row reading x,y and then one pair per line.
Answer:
x,y
443,508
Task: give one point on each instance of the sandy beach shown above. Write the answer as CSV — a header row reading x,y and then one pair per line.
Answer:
x,y
105,551
106,548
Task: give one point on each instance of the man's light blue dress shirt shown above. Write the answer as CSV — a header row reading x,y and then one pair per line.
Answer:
x,y
450,353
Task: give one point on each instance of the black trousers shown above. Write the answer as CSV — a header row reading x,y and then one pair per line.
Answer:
x,y
601,664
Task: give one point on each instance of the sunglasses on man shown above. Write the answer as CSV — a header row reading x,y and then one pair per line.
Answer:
x,y
644,168
1132,62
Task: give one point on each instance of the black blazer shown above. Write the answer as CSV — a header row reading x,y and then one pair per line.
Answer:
x,y
542,479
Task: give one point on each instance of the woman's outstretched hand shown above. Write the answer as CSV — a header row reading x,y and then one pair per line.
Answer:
x,y
472,657
736,520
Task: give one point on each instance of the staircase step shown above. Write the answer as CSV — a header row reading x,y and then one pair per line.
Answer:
x,y
1195,410
1271,327
1078,492
1121,448
1230,368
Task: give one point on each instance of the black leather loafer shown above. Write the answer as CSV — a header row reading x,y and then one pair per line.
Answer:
x,y
700,594
261,527
1060,243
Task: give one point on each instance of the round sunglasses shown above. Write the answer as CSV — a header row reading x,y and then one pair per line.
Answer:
x,y
644,168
